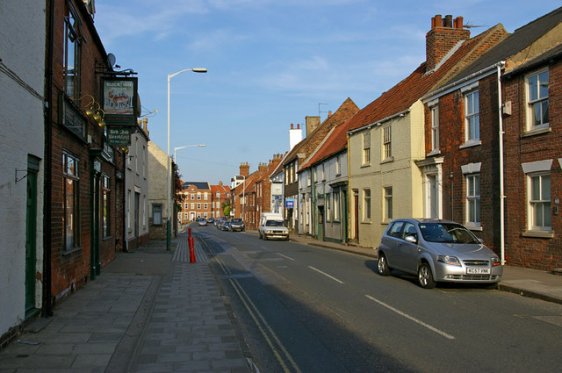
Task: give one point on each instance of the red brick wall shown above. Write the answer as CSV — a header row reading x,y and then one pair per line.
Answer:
x,y
521,250
452,135
71,270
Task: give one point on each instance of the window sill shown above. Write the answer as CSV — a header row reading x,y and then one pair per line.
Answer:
x,y
470,144
473,227
71,251
536,131
538,234
387,160
365,165
434,152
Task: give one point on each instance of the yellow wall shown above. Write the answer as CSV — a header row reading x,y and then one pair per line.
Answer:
x,y
401,173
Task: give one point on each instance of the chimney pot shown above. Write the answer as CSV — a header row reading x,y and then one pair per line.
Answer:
x,y
459,22
436,21
449,21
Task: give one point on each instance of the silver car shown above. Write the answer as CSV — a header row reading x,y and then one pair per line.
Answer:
x,y
437,251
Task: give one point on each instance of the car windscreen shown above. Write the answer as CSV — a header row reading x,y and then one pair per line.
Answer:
x,y
274,223
447,233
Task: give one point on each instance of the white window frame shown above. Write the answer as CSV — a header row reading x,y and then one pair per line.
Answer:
x,y
367,201
471,101
388,204
535,102
387,143
366,146
472,203
434,110
540,203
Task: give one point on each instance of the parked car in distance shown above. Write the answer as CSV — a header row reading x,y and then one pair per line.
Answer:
x,y
237,225
437,251
202,222
273,228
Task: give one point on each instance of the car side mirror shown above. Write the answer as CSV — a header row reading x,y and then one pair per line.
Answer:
x,y
411,238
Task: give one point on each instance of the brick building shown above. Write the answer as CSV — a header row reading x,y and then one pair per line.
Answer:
x,y
464,170
196,201
84,175
252,195
220,196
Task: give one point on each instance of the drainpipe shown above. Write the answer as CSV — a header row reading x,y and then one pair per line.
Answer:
x,y
499,66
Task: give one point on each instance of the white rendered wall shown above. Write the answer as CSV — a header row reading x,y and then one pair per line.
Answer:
x,y
22,70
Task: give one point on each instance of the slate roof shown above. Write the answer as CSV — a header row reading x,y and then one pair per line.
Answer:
x,y
514,43
198,184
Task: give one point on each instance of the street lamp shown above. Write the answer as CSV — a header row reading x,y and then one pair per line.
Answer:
x,y
168,166
186,146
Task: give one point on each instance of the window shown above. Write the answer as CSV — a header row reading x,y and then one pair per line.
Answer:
x,y
539,202
338,165
537,86
434,128
106,206
71,54
387,143
157,214
473,200
367,148
71,203
387,204
366,205
472,116
336,206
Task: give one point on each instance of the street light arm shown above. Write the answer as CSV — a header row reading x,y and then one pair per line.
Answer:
x,y
200,70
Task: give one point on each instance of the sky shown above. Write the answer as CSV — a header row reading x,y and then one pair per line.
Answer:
x,y
271,63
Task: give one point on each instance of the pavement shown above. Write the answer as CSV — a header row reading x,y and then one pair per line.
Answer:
x,y
152,311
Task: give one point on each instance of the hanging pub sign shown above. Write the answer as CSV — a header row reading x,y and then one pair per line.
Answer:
x,y
120,98
118,136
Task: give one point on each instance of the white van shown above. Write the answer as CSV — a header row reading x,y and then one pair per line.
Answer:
x,y
272,225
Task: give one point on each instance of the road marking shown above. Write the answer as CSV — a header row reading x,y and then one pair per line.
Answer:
x,y
433,329
325,274
265,329
286,257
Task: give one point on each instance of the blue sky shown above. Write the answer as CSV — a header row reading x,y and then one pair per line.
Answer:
x,y
271,63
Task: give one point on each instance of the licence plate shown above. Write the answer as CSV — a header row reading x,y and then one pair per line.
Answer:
x,y
477,271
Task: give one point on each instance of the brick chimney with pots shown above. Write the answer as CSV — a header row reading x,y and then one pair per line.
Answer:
x,y
244,169
445,33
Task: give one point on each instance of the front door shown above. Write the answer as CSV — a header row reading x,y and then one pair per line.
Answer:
x,y
31,236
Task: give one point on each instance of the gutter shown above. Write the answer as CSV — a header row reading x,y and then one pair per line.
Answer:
x,y
378,122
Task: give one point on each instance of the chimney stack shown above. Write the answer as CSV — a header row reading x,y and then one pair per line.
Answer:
x,y
295,135
312,122
244,169
444,35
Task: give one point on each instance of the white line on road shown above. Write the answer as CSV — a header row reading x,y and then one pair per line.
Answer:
x,y
433,329
286,257
325,274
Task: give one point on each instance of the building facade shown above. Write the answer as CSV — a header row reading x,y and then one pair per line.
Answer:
x,y
22,170
136,187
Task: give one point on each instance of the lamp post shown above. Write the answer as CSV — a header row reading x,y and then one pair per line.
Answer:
x,y
168,166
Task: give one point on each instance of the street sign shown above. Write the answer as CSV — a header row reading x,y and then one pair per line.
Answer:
x,y
119,136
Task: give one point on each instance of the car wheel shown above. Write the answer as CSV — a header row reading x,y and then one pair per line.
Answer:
x,y
425,277
382,266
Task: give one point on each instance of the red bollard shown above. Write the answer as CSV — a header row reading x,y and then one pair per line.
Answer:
x,y
191,244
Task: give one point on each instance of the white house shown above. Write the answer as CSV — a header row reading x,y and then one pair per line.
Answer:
x,y
22,138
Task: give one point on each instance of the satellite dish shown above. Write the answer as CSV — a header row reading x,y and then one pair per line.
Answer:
x,y
111,59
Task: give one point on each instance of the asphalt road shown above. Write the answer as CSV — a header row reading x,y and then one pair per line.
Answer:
x,y
307,309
